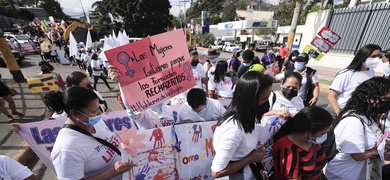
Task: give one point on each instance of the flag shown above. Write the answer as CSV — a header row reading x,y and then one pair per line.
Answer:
x,y
88,43
123,39
46,23
73,45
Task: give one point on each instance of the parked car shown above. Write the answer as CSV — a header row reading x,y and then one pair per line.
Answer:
x,y
19,57
230,47
219,47
263,46
21,42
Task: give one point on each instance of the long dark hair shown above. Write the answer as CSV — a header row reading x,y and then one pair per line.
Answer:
x,y
220,71
243,107
75,78
359,102
47,64
310,119
361,56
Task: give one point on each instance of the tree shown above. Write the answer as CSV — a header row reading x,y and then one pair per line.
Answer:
x,y
53,8
213,6
215,20
139,18
284,12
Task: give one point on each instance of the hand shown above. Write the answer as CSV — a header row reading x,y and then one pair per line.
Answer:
x,y
283,113
313,101
108,110
120,167
256,155
15,127
113,72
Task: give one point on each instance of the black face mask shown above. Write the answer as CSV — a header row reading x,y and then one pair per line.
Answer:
x,y
383,107
45,71
262,109
195,63
289,93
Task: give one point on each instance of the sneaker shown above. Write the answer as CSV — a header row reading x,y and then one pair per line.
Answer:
x,y
111,88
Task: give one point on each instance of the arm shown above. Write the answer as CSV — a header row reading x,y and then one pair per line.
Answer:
x,y
118,169
333,101
205,81
232,70
211,94
283,113
316,93
366,155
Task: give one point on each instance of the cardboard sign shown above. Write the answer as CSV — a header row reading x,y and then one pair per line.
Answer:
x,y
313,52
153,69
328,35
42,83
321,44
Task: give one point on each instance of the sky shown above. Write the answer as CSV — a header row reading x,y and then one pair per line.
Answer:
x,y
73,7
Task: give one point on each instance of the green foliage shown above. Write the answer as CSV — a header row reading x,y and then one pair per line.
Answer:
x,y
53,8
214,6
265,31
215,20
284,13
229,13
26,14
205,41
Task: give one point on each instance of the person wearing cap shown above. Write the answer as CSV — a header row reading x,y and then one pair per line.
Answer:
x,y
220,85
247,58
268,57
234,64
256,67
386,65
310,90
211,62
359,70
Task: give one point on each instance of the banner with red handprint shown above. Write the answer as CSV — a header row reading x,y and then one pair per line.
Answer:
x,y
176,152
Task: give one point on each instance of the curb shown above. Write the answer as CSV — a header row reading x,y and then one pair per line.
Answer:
x,y
24,154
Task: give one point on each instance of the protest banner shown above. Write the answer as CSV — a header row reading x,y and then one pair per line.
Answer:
x,y
313,52
42,83
329,35
153,69
178,152
321,44
41,135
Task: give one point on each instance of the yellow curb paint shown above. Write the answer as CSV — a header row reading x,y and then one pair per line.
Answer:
x,y
24,155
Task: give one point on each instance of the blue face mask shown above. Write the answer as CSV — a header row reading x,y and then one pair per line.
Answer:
x,y
158,108
320,140
246,64
91,120
299,65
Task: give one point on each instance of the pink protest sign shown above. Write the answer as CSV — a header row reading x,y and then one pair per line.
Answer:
x,y
321,44
329,35
153,69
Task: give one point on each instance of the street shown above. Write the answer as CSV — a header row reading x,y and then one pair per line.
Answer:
x,y
32,105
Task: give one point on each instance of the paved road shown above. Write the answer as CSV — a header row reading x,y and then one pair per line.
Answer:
x,y
32,105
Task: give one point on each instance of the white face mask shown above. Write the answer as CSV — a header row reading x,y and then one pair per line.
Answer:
x,y
371,63
386,68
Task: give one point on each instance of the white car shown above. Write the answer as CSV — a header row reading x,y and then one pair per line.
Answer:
x,y
230,47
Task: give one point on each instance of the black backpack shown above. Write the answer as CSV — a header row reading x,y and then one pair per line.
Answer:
x,y
329,145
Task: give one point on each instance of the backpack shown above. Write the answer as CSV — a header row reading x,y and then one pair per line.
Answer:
x,y
309,85
329,145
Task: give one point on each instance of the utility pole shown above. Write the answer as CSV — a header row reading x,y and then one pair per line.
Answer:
x,y
294,24
185,12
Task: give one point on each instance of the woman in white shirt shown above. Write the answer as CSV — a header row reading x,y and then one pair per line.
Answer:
x,y
220,84
359,70
97,72
235,138
359,133
77,155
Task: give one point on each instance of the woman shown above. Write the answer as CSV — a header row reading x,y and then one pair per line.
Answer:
x,y
310,88
235,138
234,63
5,93
297,151
220,85
77,78
359,131
286,102
78,156
359,70
97,72
289,64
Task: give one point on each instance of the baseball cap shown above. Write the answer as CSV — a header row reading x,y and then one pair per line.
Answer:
x,y
236,50
256,67
302,57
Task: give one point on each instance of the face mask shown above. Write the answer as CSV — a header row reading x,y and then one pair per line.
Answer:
x,y
293,57
157,109
262,109
202,111
246,64
195,63
371,63
319,140
299,65
45,71
386,68
91,120
289,93
383,107
227,71
213,60
270,52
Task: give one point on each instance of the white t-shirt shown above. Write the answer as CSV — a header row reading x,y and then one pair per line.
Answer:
x,y
88,58
224,88
82,56
231,143
199,73
351,137
95,64
346,82
53,51
166,116
11,169
76,155
303,90
281,103
212,68
213,110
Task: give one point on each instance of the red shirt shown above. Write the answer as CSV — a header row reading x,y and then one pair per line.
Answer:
x,y
291,161
283,52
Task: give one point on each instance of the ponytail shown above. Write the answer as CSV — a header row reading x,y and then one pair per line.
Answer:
x,y
55,101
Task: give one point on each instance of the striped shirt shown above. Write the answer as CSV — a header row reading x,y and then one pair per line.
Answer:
x,y
291,161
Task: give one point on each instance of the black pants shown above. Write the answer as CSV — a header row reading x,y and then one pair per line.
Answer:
x,y
95,80
55,59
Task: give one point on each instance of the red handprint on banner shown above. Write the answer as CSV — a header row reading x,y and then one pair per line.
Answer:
x,y
158,138
155,156
197,133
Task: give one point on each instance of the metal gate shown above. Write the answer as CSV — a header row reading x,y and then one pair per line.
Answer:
x,y
361,25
